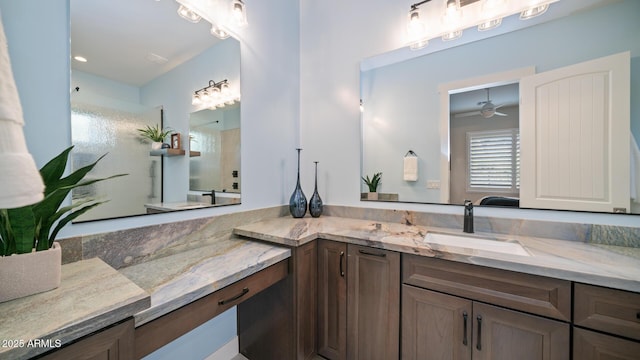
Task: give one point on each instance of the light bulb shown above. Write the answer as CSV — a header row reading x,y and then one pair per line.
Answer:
x,y
188,14
416,31
239,12
195,100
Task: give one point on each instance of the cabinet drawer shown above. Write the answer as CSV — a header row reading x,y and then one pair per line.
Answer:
x,y
613,311
589,345
161,331
531,293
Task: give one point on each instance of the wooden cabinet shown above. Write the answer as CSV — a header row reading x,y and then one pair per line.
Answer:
x,y
373,303
358,293
161,331
113,343
332,299
459,325
589,345
280,322
606,310
435,325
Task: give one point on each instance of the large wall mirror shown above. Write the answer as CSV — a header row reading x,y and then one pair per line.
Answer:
x,y
457,109
142,65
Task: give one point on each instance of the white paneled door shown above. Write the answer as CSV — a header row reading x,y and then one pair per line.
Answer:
x,y
574,124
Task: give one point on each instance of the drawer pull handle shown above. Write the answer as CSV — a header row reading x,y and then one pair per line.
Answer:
x,y
341,261
479,342
364,252
243,293
464,336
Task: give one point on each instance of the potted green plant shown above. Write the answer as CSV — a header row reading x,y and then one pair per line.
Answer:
x,y
155,134
30,259
372,184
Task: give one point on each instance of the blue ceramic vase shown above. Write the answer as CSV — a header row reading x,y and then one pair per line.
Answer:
x,y
315,203
298,202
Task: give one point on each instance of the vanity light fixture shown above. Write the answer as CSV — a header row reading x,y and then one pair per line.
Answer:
x,y
188,14
223,15
239,13
416,28
215,95
533,12
450,21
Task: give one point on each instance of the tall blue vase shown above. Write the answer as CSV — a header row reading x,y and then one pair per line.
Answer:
x,y
315,203
298,202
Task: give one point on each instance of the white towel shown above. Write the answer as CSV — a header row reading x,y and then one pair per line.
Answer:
x,y
410,168
20,181
635,171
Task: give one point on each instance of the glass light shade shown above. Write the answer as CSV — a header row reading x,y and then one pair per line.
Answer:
x,y
224,89
452,35
490,24
188,14
219,32
239,12
533,12
205,97
453,9
195,99
215,93
419,44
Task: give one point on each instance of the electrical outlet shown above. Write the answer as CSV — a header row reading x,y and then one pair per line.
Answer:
x,y
433,184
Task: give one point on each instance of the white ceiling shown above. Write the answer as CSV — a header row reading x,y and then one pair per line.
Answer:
x,y
116,37
505,95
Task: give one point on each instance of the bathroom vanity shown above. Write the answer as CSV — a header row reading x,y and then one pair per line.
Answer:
x,y
384,291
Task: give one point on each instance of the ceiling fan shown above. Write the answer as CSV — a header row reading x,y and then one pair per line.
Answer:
x,y
488,109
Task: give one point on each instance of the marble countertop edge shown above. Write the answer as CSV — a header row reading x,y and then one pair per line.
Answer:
x,y
562,259
201,286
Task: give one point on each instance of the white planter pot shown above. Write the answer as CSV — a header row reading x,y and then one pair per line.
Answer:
x,y
27,274
156,145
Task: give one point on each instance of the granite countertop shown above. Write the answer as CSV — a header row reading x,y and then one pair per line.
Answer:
x,y
77,308
611,266
178,276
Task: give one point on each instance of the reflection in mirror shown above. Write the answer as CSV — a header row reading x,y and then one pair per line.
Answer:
x,y
130,59
412,105
214,164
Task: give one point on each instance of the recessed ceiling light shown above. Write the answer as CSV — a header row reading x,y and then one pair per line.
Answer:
x,y
80,58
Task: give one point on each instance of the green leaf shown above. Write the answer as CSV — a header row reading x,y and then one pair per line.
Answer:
x,y
23,227
52,171
69,218
7,241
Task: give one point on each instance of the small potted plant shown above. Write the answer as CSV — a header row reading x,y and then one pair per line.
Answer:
x,y
30,259
373,184
155,134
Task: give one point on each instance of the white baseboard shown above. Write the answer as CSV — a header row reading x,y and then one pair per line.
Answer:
x,y
226,352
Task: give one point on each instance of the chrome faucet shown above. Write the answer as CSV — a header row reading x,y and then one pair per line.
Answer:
x,y
468,217
213,196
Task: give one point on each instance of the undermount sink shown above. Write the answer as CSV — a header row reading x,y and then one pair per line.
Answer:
x,y
477,243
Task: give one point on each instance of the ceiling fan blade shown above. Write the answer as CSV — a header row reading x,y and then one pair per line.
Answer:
x,y
500,114
466,114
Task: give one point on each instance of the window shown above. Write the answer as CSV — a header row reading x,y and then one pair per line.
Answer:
x,y
493,161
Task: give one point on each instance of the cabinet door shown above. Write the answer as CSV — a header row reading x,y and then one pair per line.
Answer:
x,y
500,334
435,326
589,345
114,343
332,299
373,296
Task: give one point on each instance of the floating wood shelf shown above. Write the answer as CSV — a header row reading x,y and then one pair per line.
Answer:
x,y
167,152
194,153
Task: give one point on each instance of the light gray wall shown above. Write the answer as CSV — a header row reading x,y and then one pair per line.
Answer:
x,y
38,37
330,56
